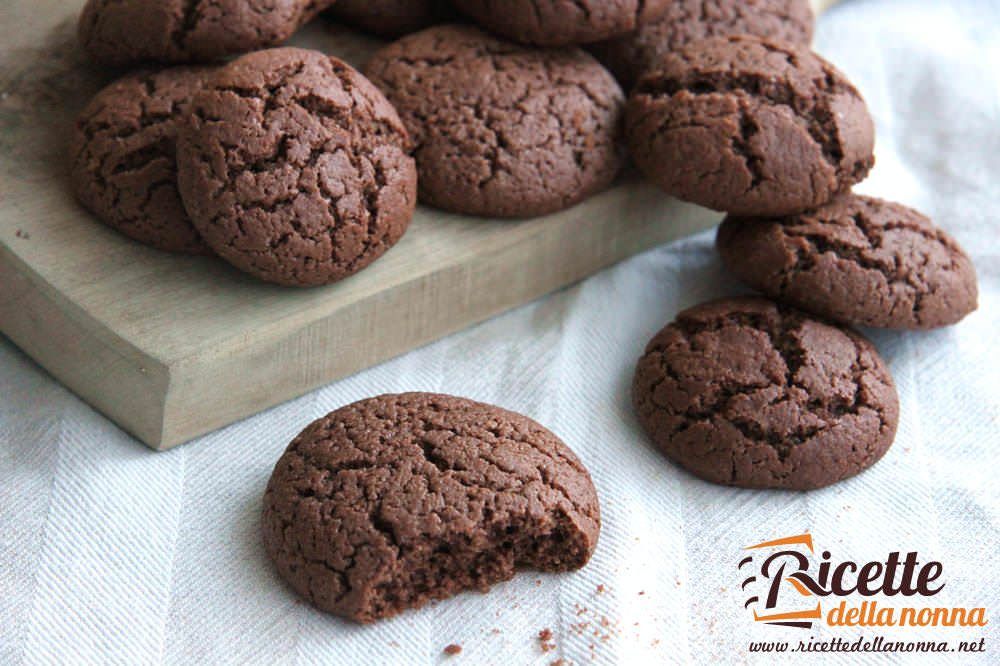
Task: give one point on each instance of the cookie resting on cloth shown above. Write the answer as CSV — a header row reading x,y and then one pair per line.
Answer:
x,y
744,392
858,260
393,501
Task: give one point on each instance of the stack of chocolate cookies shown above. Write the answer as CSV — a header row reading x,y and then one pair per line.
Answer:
x,y
782,394
298,169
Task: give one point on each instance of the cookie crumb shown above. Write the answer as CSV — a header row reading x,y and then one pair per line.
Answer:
x,y
453,649
601,589
545,638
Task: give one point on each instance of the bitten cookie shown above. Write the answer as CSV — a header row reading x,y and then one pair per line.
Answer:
x,y
500,129
121,33
390,502
123,157
293,168
391,18
685,21
858,260
561,22
750,127
744,392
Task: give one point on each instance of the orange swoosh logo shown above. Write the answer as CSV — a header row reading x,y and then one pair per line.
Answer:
x,y
796,615
799,539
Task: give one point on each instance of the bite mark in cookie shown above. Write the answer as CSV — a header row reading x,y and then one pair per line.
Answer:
x,y
390,502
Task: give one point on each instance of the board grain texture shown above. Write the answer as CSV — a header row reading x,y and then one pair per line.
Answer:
x,y
172,347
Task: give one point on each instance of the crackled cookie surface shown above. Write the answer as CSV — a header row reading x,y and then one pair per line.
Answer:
x,y
561,22
858,260
396,500
123,157
391,18
750,127
685,21
293,167
499,129
116,32
743,392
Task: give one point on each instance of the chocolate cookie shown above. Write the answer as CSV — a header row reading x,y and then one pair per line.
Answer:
x,y
123,157
858,260
293,167
744,392
391,18
390,502
685,21
121,33
561,22
501,129
750,127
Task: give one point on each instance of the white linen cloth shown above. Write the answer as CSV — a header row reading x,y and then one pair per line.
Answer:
x,y
110,553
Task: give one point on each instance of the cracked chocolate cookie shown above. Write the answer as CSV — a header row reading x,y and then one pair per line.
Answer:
x,y
122,33
293,167
857,260
561,22
500,129
685,21
123,157
749,127
744,392
391,18
390,502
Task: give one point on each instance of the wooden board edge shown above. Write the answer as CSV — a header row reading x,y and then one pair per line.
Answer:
x,y
252,379
106,372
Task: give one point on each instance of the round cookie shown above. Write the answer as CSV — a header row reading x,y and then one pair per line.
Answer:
x,y
293,168
391,18
561,22
750,127
390,502
500,129
123,157
744,392
121,33
685,21
857,260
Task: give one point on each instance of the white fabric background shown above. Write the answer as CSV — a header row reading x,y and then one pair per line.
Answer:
x,y
110,553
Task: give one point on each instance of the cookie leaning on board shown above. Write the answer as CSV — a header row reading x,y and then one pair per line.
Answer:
x,y
749,126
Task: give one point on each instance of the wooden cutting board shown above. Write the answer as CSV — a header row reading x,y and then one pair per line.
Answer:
x,y
172,347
